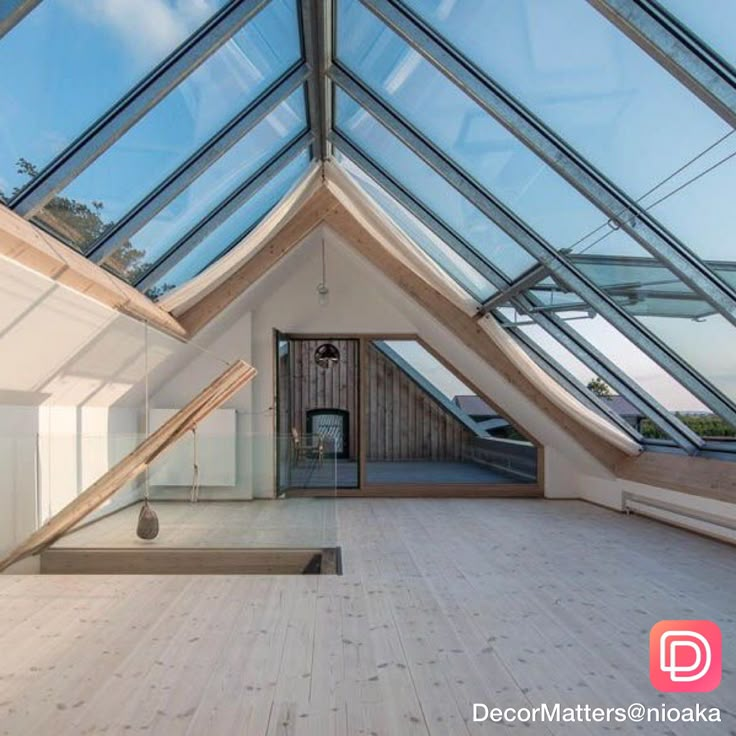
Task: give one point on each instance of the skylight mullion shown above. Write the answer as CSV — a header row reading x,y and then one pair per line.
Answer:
x,y
409,202
315,55
545,253
100,136
559,373
12,12
223,211
198,163
679,52
623,211
612,374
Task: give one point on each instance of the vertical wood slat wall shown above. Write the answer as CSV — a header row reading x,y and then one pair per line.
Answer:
x,y
404,422
335,388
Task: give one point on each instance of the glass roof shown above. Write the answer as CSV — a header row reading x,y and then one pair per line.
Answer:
x,y
55,60
262,143
598,211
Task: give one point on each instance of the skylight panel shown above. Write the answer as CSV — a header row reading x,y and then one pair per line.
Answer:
x,y
234,229
429,187
585,79
69,61
234,168
177,127
449,261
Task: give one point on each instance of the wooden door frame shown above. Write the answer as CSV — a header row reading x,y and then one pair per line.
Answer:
x,y
410,490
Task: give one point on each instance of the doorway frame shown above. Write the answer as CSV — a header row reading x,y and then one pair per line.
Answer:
x,y
408,490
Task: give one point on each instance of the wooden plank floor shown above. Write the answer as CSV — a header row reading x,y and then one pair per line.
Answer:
x,y
443,603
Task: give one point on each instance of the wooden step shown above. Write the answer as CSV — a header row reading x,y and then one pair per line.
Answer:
x,y
189,561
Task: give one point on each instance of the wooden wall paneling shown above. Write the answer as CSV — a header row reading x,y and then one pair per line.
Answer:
x,y
406,424
336,388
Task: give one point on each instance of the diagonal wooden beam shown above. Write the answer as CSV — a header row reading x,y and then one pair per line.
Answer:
x,y
21,241
290,235
467,330
209,399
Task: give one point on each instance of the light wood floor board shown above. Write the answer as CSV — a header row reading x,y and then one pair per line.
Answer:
x,y
442,603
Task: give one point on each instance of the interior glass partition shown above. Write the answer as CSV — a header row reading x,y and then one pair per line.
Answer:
x,y
426,427
317,413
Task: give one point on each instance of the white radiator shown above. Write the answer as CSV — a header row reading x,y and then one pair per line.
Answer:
x,y
713,525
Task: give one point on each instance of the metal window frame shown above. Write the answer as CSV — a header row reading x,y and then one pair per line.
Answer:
x,y
623,211
133,106
560,374
197,164
629,388
538,247
12,12
605,368
224,210
670,43
450,238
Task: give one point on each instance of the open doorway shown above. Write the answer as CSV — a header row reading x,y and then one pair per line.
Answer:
x,y
385,415
317,410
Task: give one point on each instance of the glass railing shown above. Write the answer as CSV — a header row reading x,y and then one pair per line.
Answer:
x,y
202,466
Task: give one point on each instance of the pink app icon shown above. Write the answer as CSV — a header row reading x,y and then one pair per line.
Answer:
x,y
685,656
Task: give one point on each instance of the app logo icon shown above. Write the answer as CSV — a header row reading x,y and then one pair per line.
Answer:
x,y
685,656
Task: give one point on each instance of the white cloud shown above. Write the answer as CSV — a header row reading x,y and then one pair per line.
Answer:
x,y
150,29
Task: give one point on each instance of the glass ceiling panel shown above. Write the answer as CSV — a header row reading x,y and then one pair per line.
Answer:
x,y
692,338
446,258
231,170
234,229
451,207
179,125
69,61
713,20
584,78
702,213
574,365
459,127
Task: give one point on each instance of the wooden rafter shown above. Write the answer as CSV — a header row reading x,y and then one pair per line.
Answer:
x,y
21,241
209,399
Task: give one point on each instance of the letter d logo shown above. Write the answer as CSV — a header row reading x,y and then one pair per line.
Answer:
x,y
685,656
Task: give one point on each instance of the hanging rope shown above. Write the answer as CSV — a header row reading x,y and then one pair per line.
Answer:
x,y
148,526
194,495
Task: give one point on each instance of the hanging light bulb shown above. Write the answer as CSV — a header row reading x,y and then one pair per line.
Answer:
x,y
323,293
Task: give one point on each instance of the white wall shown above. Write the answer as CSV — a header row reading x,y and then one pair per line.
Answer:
x,y
70,395
77,370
